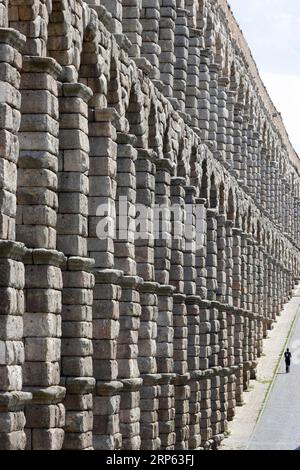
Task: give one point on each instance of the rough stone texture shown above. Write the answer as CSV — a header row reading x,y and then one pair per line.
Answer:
x,y
129,343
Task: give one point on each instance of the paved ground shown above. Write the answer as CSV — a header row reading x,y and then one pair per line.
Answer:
x,y
270,418
279,425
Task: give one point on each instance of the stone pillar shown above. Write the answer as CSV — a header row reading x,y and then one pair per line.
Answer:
x,y
216,414
132,26
73,188
222,119
12,277
30,18
37,229
102,184
115,8
245,156
268,183
166,43
261,287
244,307
163,245
271,288
177,262
78,282
237,138
286,214
216,317
193,70
144,253
277,287
258,169
255,166
130,307
276,312
222,407
214,337
181,53
282,283
280,197
296,235
165,328
244,271
149,402
77,366
193,359
190,239
128,370
150,16
212,254
107,290
124,245
204,96
231,96
221,259
12,398
256,311
4,14
229,393
10,102
106,326
145,195
263,178
231,387
38,153
205,382
252,313
273,193
267,277
165,366
263,279
45,416
239,318
225,388
237,271
193,317
213,117
249,171
229,262
182,389
201,247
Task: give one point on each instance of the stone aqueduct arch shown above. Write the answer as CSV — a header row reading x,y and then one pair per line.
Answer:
x,y
110,359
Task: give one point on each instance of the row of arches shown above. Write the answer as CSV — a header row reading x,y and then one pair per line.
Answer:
x,y
53,25
157,127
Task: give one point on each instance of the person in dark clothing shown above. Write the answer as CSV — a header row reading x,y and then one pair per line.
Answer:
x,y
287,357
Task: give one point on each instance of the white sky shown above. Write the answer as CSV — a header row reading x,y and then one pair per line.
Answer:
x,y
272,30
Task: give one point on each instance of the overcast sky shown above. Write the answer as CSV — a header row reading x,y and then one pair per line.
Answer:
x,y
272,29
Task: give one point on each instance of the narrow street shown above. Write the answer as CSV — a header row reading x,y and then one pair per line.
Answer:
x,y
270,417
279,425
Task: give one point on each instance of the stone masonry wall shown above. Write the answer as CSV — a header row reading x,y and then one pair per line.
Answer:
x,y
125,342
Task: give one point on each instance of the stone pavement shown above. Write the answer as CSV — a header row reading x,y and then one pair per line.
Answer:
x,y
270,418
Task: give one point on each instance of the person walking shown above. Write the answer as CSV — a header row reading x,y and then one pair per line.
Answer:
x,y
287,358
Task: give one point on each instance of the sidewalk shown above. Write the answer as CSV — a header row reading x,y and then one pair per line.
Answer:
x,y
241,430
